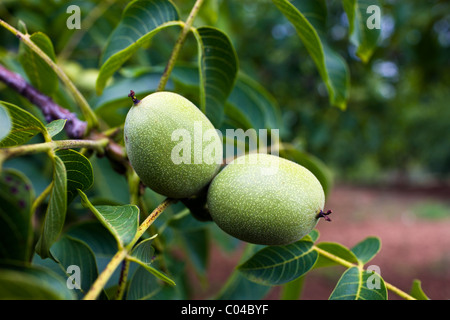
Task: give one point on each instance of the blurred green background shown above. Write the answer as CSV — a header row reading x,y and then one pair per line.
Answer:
x,y
397,123
396,126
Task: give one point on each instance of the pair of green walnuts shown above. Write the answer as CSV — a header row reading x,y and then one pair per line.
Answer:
x,y
257,198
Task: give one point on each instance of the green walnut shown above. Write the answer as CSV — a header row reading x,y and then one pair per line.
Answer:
x,y
171,144
265,199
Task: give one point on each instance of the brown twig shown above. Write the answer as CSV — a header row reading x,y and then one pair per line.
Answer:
x,y
75,128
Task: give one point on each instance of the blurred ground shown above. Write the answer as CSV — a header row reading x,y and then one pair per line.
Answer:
x,y
414,228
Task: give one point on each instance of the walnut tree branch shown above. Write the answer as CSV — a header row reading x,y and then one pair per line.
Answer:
x,y
75,128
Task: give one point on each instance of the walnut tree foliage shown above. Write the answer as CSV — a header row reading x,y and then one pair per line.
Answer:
x,y
69,196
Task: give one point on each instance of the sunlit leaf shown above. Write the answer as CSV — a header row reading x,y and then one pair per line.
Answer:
x,y
364,38
140,21
359,284
367,249
337,250
40,74
17,125
417,291
121,221
55,127
276,265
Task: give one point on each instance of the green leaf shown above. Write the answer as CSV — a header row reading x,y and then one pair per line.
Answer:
x,y
40,74
143,285
79,171
218,64
417,292
17,125
314,235
32,283
239,287
196,245
56,210
143,254
73,252
96,236
102,243
251,106
121,221
16,196
140,21
336,249
55,127
367,249
293,289
364,38
113,105
312,163
276,265
332,67
183,221
359,284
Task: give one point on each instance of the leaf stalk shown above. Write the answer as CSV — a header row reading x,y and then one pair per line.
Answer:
x,y
178,44
97,145
348,264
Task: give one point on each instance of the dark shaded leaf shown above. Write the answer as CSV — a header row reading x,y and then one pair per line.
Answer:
x,y
251,106
71,252
32,283
143,285
79,172
16,196
239,287
56,210
143,254
218,65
